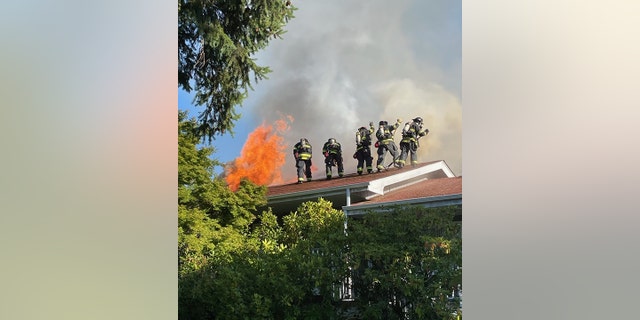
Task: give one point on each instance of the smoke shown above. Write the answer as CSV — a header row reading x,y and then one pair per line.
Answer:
x,y
262,156
343,64
439,109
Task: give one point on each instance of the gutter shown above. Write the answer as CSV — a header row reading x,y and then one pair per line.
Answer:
x,y
314,193
437,201
372,188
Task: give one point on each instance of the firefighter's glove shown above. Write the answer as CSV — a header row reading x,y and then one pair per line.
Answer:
x,y
370,124
399,120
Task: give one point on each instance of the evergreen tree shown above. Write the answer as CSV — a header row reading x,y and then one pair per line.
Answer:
x,y
216,41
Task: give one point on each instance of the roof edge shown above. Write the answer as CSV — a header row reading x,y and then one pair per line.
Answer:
x,y
314,192
371,188
377,186
436,201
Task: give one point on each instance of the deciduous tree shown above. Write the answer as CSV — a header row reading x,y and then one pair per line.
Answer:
x,y
213,221
407,263
236,262
287,271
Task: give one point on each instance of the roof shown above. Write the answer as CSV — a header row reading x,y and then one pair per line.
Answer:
x,y
424,189
353,189
348,179
427,193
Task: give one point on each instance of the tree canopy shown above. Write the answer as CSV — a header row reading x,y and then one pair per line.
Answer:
x,y
407,263
212,219
238,260
216,41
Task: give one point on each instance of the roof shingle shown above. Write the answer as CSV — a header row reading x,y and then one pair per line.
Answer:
x,y
349,179
423,189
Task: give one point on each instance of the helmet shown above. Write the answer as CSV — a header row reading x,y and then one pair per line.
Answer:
x,y
383,123
303,140
332,141
418,120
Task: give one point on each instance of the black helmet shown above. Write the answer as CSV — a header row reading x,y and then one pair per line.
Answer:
x,y
418,120
304,140
383,123
331,141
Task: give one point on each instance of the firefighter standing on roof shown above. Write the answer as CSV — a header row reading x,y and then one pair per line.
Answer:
x,y
363,148
302,154
332,152
411,132
385,142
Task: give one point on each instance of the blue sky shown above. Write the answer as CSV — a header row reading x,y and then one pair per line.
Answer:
x,y
342,64
227,147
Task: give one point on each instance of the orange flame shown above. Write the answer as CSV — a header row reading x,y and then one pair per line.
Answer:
x,y
261,157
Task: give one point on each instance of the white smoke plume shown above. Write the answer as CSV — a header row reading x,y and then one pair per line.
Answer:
x,y
343,64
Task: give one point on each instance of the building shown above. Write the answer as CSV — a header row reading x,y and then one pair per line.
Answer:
x,y
430,184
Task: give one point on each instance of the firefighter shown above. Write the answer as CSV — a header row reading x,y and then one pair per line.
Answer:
x,y
363,148
302,153
385,142
332,152
411,133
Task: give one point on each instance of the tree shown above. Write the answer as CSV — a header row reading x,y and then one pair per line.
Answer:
x,y
403,265
407,263
216,41
315,235
283,271
236,263
212,220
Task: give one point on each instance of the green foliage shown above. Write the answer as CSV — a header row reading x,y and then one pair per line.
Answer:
x,y
194,164
216,41
212,220
274,276
236,263
312,220
294,270
407,262
315,235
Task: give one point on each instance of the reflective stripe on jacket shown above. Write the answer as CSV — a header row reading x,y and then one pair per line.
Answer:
x,y
387,135
332,148
303,150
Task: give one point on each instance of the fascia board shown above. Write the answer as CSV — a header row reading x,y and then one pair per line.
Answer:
x,y
374,187
315,193
446,169
377,186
